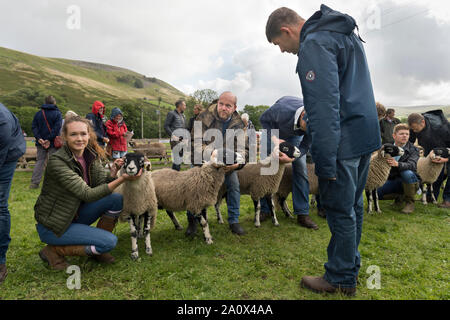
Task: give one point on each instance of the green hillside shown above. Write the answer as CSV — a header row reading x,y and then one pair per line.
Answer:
x,y
26,79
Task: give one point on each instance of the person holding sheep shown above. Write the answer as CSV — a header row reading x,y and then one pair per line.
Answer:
x,y
77,190
402,180
285,116
343,125
432,130
223,120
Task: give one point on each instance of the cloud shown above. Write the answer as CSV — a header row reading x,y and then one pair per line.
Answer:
x,y
221,45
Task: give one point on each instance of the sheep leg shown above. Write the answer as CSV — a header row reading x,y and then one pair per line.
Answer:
x,y
269,200
205,227
218,213
369,201
148,243
140,226
174,220
375,201
424,194
285,208
257,205
133,232
313,201
432,194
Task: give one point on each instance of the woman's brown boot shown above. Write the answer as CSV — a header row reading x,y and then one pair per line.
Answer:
x,y
107,223
54,256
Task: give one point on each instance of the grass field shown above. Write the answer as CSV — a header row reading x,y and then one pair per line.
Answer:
x,y
411,252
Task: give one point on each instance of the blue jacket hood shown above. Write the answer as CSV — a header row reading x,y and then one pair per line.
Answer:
x,y
49,106
114,113
326,19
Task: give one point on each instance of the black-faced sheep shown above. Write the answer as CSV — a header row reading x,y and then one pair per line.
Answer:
x,y
140,205
378,173
194,189
429,171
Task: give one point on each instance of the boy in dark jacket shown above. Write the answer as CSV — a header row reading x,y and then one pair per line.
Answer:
x,y
46,126
402,177
12,147
342,123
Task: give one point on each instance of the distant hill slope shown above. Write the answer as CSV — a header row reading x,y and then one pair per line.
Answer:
x,y
403,112
75,84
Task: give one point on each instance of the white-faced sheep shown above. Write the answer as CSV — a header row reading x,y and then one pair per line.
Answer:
x,y
429,171
194,189
258,185
140,205
378,174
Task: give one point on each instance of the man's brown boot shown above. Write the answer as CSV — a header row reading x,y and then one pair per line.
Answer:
x,y
305,221
409,191
320,285
107,223
55,259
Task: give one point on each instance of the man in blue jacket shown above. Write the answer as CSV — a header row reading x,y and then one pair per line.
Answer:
x,y
342,123
284,115
12,147
46,126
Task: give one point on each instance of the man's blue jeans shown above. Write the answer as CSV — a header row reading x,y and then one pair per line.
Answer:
x,y
81,233
6,175
342,200
300,184
396,185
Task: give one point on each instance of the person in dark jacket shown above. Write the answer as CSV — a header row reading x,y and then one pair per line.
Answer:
x,y
175,120
77,190
343,125
387,125
117,129
284,116
46,126
97,118
12,147
197,110
402,179
432,130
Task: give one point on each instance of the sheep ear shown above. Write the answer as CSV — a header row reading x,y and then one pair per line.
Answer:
x,y
382,153
147,165
214,156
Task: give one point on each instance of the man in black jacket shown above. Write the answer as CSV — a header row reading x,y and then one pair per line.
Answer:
x,y
175,120
432,130
402,177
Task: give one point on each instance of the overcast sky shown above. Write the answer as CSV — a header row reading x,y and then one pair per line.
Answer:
x,y
221,45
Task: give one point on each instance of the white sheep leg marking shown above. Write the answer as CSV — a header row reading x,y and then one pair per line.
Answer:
x,y
206,233
257,213
269,200
148,243
369,201
140,226
377,203
424,194
133,232
432,194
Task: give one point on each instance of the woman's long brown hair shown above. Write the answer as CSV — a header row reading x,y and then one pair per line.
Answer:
x,y
92,144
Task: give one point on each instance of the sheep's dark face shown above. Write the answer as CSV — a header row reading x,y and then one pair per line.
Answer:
x,y
134,162
290,150
391,150
441,153
226,157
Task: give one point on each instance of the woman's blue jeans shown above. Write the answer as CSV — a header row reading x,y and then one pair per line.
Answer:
x,y
6,175
81,233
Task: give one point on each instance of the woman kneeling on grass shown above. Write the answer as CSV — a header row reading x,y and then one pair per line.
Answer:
x,y
77,190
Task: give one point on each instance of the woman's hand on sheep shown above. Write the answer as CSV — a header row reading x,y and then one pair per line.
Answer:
x,y
118,163
392,162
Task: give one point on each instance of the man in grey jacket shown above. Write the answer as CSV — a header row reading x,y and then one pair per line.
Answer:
x,y
175,120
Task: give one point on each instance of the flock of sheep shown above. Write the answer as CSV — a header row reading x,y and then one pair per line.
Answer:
x,y
201,187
